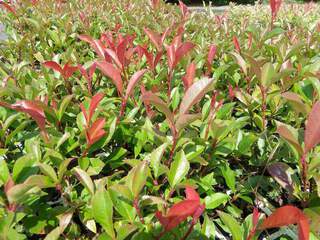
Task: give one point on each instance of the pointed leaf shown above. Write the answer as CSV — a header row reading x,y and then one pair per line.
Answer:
x,y
155,159
133,81
195,93
178,169
110,71
190,75
102,210
312,132
232,225
85,179
292,215
96,99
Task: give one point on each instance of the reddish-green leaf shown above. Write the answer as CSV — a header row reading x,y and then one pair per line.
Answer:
x,y
110,71
312,132
133,81
190,75
155,38
287,215
96,99
95,132
160,105
195,93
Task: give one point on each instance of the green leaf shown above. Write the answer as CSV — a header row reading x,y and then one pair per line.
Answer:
x,y
155,159
267,74
4,172
48,171
102,210
139,178
85,179
215,200
232,225
179,169
65,102
208,227
229,176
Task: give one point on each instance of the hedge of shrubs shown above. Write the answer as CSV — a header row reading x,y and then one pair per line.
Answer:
x,y
135,119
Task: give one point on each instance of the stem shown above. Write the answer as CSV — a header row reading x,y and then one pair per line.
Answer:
x,y
160,235
136,206
172,149
170,76
189,232
304,173
264,106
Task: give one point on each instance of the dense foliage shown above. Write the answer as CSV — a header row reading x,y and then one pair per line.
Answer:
x,y
134,119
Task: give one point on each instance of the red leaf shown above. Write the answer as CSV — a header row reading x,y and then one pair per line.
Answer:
x,y
182,51
157,60
211,56
255,216
96,99
184,9
133,81
68,70
231,92
236,44
97,45
32,108
275,7
54,66
155,4
312,132
287,215
86,38
164,35
84,111
250,40
99,48
171,51
95,132
8,7
110,71
114,57
88,75
255,220
155,38
149,111
190,75
180,211
191,194
121,51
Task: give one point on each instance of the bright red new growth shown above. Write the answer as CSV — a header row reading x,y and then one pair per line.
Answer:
x,y
175,54
211,55
96,99
156,38
8,7
95,132
34,109
287,215
113,73
190,75
66,71
275,7
179,212
184,10
255,220
236,44
88,75
312,132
